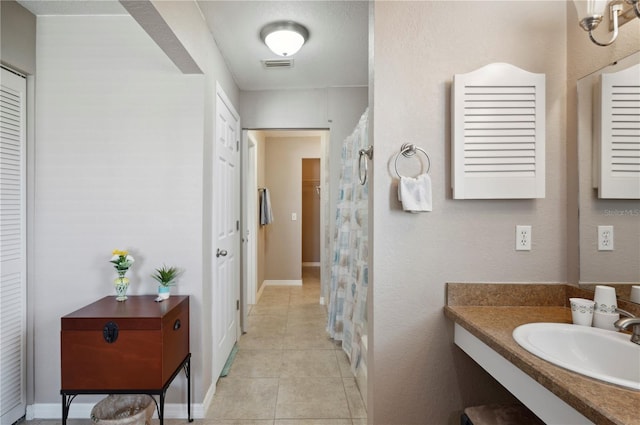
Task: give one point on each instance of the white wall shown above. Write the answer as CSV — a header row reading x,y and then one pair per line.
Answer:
x,y
118,162
416,375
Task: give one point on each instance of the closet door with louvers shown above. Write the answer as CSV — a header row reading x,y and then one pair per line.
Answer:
x,y
12,248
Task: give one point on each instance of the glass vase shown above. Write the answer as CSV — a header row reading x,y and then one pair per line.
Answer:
x,y
122,285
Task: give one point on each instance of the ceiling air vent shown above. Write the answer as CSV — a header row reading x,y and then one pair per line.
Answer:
x,y
277,63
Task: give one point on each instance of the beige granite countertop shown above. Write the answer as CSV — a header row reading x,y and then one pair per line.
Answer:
x,y
602,403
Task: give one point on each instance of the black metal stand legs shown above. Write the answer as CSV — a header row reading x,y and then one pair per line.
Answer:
x,y
69,395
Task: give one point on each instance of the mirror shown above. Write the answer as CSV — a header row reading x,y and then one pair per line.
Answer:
x,y
620,267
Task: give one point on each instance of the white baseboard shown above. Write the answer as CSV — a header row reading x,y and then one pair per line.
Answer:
x,y
292,282
208,397
83,411
313,264
361,373
260,291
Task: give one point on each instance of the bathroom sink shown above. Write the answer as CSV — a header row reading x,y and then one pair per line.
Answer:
x,y
601,354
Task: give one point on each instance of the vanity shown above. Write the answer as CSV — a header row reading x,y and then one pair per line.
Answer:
x,y
485,316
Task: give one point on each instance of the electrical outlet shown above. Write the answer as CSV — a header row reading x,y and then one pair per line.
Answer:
x,y
605,238
523,238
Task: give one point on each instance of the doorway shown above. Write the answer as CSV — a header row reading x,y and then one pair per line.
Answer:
x,y
278,167
310,207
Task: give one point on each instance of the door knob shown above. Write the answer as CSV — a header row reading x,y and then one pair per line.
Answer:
x,y
221,253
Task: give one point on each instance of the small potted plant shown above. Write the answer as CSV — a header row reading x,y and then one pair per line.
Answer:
x,y
166,277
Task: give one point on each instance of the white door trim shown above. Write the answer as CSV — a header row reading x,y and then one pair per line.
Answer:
x,y
248,229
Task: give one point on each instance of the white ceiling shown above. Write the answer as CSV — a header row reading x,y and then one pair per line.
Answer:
x,y
336,54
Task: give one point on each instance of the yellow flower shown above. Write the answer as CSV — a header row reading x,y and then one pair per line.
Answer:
x,y
119,252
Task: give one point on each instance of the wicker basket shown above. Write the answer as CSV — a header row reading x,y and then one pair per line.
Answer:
x,y
123,409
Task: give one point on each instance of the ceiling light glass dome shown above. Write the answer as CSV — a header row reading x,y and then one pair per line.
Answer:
x,y
284,38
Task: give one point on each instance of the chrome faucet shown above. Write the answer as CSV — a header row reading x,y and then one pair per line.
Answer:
x,y
630,321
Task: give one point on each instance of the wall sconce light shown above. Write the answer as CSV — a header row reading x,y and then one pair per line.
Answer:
x,y
590,14
284,38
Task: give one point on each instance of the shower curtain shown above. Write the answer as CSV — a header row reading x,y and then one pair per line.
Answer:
x,y
347,320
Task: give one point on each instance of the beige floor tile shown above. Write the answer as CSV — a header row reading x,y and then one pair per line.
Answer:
x,y
308,310
309,363
311,398
354,399
359,421
244,398
343,363
313,422
307,340
268,309
257,364
267,325
234,422
305,324
257,341
305,299
275,298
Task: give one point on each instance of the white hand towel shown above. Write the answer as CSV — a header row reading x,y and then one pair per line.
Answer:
x,y
415,193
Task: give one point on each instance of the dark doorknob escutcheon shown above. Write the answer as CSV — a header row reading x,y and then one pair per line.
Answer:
x,y
110,332
221,253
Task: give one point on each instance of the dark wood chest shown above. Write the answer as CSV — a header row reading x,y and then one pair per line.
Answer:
x,y
136,345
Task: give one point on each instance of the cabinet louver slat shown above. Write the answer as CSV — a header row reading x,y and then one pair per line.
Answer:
x,y
498,133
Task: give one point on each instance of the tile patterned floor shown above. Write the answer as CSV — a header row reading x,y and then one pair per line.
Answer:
x,y
286,372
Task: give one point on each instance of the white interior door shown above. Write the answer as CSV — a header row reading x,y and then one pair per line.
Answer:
x,y
226,281
13,266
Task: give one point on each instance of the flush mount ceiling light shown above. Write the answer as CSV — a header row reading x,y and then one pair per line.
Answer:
x,y
591,12
284,38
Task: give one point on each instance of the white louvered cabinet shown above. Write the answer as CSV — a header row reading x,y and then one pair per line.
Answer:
x,y
617,134
498,133
12,248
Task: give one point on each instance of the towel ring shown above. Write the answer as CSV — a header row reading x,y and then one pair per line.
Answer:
x,y
364,153
408,150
